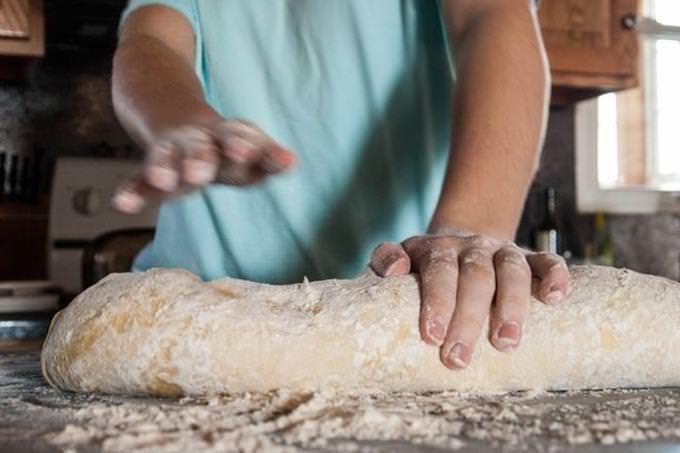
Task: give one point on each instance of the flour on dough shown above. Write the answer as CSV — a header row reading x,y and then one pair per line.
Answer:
x,y
165,332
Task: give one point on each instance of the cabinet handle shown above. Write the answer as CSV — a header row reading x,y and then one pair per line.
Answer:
x,y
650,28
629,21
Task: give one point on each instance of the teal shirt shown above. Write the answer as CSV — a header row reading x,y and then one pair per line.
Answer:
x,y
360,90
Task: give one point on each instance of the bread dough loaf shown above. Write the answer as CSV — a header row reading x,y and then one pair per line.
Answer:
x,y
165,332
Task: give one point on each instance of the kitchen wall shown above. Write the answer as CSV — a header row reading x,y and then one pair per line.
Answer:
x,y
65,108
647,243
557,170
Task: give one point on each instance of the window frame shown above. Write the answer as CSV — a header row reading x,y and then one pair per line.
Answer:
x,y
590,196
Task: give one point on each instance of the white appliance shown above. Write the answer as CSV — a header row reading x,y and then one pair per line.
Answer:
x,y
81,210
28,296
26,308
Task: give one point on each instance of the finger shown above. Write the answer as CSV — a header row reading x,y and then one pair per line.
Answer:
x,y
272,157
476,286
160,167
246,143
239,141
276,159
239,150
513,294
232,138
199,157
437,264
133,195
390,259
240,175
553,276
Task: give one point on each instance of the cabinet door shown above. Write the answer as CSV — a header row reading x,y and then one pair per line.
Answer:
x,y
14,19
588,45
21,28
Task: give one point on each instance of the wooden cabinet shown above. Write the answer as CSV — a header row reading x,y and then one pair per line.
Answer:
x,y
21,28
23,241
590,49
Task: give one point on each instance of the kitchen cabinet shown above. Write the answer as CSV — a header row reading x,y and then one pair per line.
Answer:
x,y
21,28
590,49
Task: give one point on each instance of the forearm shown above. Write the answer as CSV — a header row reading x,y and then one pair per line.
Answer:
x,y
154,89
499,116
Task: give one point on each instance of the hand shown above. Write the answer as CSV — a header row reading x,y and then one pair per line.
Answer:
x,y
198,153
463,279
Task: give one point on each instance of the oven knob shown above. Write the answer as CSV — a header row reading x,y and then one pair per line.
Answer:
x,y
87,201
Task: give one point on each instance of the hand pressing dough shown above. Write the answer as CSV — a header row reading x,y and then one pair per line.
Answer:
x,y
165,332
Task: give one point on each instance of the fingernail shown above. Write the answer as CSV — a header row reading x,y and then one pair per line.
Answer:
x,y
435,330
459,355
554,296
162,178
389,264
128,202
199,172
508,336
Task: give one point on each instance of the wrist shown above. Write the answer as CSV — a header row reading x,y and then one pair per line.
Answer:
x,y
470,223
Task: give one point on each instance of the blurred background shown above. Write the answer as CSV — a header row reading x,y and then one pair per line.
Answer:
x,y
608,188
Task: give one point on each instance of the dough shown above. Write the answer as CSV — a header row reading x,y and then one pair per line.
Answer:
x,y
165,332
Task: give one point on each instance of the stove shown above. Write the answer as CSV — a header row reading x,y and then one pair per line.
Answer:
x,y
81,212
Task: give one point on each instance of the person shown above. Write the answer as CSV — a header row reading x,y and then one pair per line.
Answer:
x,y
416,126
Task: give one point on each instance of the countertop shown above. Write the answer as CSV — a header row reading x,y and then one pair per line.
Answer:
x,y
36,418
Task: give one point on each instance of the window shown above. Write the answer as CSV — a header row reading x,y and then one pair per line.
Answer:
x,y
636,134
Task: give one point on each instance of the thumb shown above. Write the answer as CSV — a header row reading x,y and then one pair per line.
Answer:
x,y
389,259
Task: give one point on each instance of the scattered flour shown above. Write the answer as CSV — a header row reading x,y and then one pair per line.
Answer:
x,y
289,422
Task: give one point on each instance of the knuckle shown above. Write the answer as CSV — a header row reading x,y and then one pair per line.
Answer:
x,y
511,303
511,257
445,255
190,134
235,141
229,134
558,263
479,241
201,152
198,133
224,128
429,249
549,262
467,323
161,148
477,260
546,257
431,308
437,241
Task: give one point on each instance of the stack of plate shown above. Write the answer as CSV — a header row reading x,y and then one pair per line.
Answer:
x,y
26,308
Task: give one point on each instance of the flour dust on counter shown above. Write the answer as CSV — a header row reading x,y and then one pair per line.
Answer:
x,y
404,421
37,417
